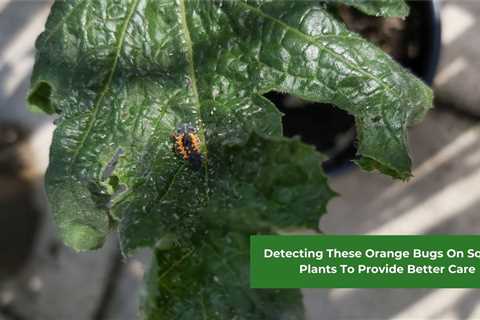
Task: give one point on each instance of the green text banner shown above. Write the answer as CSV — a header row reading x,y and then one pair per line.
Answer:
x,y
323,261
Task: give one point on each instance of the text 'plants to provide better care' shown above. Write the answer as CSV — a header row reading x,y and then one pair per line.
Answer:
x,y
365,261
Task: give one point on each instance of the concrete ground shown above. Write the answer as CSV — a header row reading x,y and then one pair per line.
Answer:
x,y
444,196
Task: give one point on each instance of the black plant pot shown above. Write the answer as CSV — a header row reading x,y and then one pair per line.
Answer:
x,y
331,130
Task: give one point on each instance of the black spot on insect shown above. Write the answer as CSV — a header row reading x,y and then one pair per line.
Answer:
x,y
195,160
187,144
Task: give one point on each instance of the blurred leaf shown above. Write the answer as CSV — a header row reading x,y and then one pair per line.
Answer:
x,y
385,8
210,281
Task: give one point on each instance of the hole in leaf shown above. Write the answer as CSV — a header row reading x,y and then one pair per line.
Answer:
x,y
40,97
330,129
100,195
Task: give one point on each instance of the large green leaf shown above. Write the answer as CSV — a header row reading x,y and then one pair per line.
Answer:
x,y
210,281
123,75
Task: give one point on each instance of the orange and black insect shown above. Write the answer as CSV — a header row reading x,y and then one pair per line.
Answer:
x,y
187,145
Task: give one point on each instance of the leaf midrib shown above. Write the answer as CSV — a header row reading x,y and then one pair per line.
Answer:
x,y
108,82
193,79
313,41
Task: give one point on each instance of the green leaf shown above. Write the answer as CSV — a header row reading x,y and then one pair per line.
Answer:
x,y
210,281
385,8
330,64
123,75
262,182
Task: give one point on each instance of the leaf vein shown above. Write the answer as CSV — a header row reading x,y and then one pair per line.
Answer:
x,y
106,87
56,28
313,41
193,80
175,264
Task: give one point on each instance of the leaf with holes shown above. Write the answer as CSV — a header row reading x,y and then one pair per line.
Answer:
x,y
124,77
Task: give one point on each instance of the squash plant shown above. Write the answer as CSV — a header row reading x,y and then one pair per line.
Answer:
x,y
123,75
